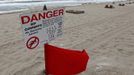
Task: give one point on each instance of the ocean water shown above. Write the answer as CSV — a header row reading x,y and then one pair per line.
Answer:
x,y
68,0
100,1
9,8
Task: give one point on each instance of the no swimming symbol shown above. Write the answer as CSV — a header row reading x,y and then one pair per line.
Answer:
x,y
32,42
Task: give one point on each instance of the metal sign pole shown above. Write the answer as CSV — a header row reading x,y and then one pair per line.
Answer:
x,y
45,71
45,7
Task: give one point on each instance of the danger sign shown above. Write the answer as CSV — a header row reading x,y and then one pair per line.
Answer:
x,y
41,27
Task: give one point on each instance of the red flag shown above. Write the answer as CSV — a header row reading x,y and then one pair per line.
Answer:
x,y
61,61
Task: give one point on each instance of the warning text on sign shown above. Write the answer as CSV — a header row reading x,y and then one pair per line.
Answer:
x,y
45,26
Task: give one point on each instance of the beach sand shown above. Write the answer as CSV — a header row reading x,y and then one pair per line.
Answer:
x,y
106,34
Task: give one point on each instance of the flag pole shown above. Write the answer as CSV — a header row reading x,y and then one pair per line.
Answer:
x,y
45,71
45,63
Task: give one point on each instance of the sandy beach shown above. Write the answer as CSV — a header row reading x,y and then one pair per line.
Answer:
x,y
106,34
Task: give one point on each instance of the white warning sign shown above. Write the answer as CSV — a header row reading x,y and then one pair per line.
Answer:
x,y
41,27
